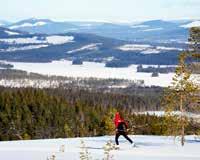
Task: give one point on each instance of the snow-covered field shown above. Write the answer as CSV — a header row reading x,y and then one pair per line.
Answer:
x,y
92,69
55,40
92,46
37,83
148,148
147,49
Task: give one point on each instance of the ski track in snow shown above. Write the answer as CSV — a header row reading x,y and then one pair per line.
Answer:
x,y
95,70
148,148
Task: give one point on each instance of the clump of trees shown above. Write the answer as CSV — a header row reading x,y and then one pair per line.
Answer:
x,y
157,69
6,65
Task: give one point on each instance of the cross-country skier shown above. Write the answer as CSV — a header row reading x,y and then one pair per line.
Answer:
x,y
121,129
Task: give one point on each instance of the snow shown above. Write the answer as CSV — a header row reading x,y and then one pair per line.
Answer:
x,y
28,25
148,148
55,40
162,113
30,47
146,49
93,46
59,39
152,29
33,40
134,47
168,48
95,70
86,25
108,59
139,26
18,83
193,24
150,51
11,33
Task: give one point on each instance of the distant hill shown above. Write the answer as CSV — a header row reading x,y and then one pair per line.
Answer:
x,y
25,47
42,26
4,23
154,30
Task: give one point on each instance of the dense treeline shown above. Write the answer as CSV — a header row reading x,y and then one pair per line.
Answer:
x,y
5,65
52,113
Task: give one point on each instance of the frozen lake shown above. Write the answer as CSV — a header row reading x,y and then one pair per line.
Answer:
x,y
95,70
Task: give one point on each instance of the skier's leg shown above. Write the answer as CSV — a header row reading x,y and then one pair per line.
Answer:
x,y
125,136
116,138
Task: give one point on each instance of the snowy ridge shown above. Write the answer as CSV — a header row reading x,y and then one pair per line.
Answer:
x,y
193,24
28,25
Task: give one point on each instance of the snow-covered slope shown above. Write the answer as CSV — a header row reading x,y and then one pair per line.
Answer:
x,y
35,40
93,46
5,32
28,25
147,49
148,148
192,24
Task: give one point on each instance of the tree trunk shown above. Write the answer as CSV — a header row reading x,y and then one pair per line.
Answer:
x,y
182,122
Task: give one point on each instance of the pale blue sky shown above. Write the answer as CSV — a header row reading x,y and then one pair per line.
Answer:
x,y
106,10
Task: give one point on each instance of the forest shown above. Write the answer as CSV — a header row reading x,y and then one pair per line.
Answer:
x,y
28,113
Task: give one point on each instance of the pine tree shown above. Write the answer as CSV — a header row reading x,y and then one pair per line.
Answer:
x,y
181,95
194,50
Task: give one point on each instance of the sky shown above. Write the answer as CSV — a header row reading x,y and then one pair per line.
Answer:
x,y
99,10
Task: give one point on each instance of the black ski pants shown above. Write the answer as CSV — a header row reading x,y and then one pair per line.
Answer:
x,y
119,133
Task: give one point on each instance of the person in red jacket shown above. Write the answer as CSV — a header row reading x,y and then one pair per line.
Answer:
x,y
121,128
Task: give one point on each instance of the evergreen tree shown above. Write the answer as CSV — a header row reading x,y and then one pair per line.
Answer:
x,y
181,96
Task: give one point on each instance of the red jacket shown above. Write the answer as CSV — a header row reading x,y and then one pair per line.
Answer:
x,y
118,120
